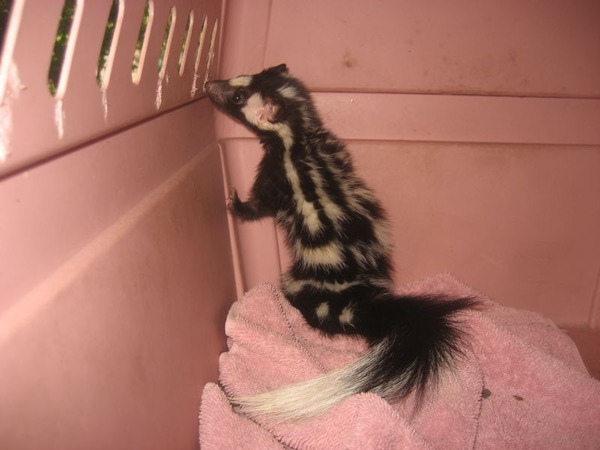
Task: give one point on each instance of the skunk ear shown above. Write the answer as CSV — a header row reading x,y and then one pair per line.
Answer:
x,y
270,112
280,69
263,112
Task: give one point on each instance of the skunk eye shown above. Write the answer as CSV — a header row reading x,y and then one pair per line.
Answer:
x,y
239,97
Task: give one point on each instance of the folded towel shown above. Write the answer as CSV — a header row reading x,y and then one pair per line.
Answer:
x,y
520,385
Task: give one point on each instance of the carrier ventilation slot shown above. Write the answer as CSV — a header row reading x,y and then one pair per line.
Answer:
x,y
141,46
185,44
64,46
109,44
163,59
211,53
62,55
8,75
5,7
198,55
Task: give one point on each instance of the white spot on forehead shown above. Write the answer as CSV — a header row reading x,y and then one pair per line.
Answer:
x,y
242,81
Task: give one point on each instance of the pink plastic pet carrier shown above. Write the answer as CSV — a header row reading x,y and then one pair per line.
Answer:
x,y
477,124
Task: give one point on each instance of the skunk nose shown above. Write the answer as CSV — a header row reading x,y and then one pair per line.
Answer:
x,y
217,90
209,85
214,88
211,88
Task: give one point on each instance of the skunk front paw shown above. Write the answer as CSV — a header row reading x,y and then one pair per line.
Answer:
x,y
234,204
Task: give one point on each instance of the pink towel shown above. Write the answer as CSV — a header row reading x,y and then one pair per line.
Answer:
x,y
521,385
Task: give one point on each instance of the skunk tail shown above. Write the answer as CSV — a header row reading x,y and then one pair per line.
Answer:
x,y
412,339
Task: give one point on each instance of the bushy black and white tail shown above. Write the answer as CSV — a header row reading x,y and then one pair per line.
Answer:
x,y
414,338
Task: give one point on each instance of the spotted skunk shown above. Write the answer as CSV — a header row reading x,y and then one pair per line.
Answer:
x,y
341,275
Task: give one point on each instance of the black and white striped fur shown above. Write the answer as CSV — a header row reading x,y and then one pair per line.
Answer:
x,y
341,276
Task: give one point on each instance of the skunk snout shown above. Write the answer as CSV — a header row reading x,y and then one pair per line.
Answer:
x,y
217,91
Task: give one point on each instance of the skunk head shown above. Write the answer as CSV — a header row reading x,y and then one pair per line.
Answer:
x,y
268,102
